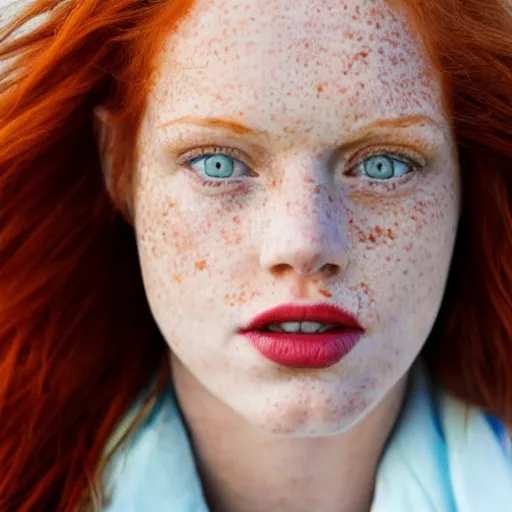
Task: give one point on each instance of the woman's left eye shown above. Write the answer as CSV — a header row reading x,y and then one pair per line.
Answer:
x,y
383,167
218,166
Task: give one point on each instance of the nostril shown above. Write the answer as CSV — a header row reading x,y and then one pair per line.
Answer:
x,y
280,269
331,270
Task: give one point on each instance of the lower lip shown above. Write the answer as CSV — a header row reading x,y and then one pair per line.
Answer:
x,y
304,350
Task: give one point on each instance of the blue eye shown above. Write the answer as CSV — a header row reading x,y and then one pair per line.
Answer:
x,y
382,167
218,166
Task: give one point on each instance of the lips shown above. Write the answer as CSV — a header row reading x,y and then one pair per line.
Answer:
x,y
300,349
324,314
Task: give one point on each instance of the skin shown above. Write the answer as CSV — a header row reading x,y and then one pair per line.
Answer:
x,y
322,86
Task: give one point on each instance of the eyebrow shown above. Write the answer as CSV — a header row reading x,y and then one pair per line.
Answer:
x,y
237,128
401,122
221,123
367,132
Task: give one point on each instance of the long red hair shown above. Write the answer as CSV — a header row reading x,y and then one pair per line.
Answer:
x,y
78,341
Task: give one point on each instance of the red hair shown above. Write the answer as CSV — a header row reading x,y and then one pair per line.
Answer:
x,y
470,348
77,338
78,342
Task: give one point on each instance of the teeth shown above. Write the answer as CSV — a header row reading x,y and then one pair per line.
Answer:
x,y
325,328
303,327
290,326
310,327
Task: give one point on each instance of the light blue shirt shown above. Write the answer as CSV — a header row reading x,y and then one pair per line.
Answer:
x,y
443,457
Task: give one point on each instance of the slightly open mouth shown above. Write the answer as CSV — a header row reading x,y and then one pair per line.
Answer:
x,y
308,327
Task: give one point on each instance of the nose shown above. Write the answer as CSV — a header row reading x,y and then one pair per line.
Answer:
x,y
305,239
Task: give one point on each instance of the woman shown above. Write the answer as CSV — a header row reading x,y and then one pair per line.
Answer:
x,y
228,229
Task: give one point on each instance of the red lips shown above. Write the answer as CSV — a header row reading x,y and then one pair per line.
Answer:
x,y
322,313
304,350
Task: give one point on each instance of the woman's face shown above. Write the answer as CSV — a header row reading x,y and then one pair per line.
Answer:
x,y
295,152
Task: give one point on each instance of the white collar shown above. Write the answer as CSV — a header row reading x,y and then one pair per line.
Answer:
x,y
442,457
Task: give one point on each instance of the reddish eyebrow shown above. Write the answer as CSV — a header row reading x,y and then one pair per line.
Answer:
x,y
401,122
261,136
241,129
215,122
371,130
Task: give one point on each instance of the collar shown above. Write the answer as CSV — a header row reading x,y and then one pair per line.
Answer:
x,y
443,456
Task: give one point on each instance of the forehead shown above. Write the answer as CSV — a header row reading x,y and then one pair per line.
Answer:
x,y
295,61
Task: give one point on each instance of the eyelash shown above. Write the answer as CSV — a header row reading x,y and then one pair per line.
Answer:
x,y
416,162
353,162
191,154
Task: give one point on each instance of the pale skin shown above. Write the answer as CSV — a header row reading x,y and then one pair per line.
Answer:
x,y
319,87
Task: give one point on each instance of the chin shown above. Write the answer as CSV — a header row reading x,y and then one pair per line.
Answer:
x,y
319,411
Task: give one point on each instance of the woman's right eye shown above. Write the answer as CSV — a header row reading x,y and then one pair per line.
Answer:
x,y
218,166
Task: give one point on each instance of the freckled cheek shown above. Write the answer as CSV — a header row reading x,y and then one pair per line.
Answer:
x,y
404,250
181,243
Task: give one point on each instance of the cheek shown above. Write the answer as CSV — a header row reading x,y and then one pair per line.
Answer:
x,y
402,250
187,244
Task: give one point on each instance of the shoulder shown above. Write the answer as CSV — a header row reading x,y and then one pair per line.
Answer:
x,y
154,464
444,455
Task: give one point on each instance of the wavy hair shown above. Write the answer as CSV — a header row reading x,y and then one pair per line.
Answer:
x,y
77,340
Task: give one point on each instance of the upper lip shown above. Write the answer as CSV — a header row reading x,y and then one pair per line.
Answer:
x,y
322,313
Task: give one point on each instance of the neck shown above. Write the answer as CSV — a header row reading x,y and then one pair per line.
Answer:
x,y
245,468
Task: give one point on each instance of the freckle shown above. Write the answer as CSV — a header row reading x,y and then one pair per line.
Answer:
x,y
176,278
200,265
320,88
325,293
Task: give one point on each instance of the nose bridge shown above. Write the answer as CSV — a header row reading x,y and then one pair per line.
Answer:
x,y
304,228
